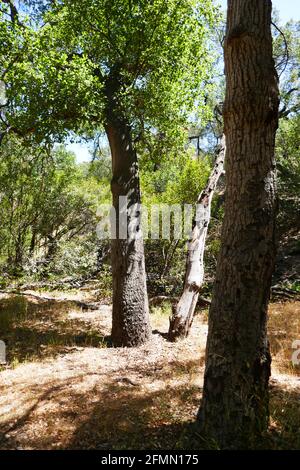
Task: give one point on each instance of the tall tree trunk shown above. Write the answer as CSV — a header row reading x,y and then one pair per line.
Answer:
x,y
19,248
32,242
235,398
182,318
130,323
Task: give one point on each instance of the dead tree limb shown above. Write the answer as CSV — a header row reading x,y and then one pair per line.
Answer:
x,y
183,312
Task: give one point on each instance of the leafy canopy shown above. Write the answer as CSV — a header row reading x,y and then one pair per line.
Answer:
x,y
156,50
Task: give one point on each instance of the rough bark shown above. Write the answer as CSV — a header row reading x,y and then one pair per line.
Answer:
x,y
183,313
130,322
32,242
235,397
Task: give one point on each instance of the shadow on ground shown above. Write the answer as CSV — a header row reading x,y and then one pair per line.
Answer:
x,y
111,399
150,417
285,418
35,329
126,416
122,416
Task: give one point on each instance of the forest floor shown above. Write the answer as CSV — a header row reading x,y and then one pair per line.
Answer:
x,y
64,387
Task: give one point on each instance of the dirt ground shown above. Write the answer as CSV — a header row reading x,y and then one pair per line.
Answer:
x,y
65,388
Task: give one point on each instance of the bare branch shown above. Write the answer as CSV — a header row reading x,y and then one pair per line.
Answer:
x,y
287,55
14,14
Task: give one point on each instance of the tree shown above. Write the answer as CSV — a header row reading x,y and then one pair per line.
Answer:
x,y
288,166
183,314
132,67
287,56
170,179
39,201
287,53
235,397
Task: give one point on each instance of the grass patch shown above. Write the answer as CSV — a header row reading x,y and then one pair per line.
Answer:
x,y
284,329
33,330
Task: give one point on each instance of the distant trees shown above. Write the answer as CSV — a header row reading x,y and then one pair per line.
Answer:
x,y
288,166
134,68
172,179
40,203
287,54
235,401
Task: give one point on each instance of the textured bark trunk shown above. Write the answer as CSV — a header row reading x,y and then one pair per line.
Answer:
x,y
19,248
235,398
182,318
130,323
18,254
32,243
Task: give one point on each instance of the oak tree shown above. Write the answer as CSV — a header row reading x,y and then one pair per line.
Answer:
x,y
235,399
132,67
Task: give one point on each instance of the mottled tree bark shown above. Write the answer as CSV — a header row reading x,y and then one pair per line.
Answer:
x,y
130,322
235,398
182,318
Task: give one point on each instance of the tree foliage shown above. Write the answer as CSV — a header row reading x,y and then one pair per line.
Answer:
x,y
42,202
56,73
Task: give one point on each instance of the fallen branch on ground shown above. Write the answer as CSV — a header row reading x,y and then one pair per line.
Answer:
x,y
78,303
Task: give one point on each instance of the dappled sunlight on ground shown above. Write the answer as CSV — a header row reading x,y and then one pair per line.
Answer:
x,y
77,392
284,329
34,328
